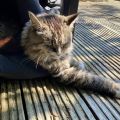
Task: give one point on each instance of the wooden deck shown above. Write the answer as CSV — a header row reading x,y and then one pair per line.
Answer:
x,y
97,43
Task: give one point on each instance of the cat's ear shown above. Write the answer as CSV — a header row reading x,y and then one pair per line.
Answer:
x,y
70,19
34,20
37,24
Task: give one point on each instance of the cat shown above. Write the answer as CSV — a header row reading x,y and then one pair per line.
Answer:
x,y
47,40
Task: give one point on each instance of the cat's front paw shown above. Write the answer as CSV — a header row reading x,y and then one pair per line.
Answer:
x,y
82,65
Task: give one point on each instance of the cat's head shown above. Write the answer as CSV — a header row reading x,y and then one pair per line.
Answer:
x,y
52,33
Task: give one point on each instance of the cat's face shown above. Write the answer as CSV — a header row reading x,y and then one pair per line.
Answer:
x,y
52,34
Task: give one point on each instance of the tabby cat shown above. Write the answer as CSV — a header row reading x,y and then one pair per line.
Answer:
x,y
47,40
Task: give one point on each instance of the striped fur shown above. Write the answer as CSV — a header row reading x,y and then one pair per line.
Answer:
x,y
47,40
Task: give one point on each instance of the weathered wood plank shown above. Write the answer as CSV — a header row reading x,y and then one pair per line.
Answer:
x,y
92,104
31,113
100,66
11,107
75,104
97,39
43,100
4,102
103,107
52,105
58,101
83,105
106,32
66,101
110,107
114,104
36,102
12,103
20,110
97,51
106,8
106,60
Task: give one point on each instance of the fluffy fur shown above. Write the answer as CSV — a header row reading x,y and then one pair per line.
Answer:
x,y
47,40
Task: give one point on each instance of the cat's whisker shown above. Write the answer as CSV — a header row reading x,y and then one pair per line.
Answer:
x,y
26,60
46,59
37,62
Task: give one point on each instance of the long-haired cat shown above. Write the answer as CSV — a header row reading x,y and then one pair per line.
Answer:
x,y
47,40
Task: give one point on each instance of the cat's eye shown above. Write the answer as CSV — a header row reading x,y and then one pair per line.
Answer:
x,y
51,48
37,31
65,45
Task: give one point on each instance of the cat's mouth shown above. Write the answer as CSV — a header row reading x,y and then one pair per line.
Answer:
x,y
62,57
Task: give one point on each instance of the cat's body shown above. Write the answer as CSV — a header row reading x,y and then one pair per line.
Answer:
x,y
47,40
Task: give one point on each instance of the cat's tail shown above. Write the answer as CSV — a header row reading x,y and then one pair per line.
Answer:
x,y
84,79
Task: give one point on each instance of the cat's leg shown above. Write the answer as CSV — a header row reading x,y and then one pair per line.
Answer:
x,y
66,73
84,79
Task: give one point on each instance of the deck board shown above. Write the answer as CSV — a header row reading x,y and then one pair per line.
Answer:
x,y
11,105
97,43
57,102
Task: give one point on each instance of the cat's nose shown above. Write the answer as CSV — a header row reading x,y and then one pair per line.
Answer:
x,y
59,51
